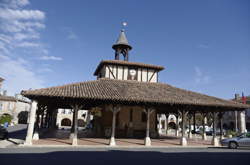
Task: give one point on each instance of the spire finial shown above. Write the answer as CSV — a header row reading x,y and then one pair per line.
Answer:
x,y
124,24
122,46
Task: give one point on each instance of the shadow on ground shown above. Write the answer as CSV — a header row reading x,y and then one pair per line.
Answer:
x,y
117,157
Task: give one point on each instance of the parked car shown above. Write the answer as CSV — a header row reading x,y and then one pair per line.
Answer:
x,y
3,133
242,140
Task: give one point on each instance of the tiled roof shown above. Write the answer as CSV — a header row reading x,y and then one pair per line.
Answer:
x,y
7,98
126,63
131,91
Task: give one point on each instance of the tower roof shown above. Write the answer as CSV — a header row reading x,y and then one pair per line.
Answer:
x,y
122,41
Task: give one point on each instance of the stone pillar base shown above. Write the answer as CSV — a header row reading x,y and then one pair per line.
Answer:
x,y
189,135
29,143
215,141
204,136
112,141
71,136
36,136
183,141
74,141
147,141
176,133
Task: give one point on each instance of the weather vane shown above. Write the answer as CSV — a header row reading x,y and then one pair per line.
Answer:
x,y
124,24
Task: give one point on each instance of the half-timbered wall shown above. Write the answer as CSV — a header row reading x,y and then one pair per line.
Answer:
x,y
123,73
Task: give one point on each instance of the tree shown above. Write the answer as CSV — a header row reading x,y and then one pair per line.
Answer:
x,y
5,118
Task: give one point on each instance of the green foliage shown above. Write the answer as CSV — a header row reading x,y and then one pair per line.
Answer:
x,y
232,133
5,118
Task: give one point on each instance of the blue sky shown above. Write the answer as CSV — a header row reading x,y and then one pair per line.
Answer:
x,y
203,44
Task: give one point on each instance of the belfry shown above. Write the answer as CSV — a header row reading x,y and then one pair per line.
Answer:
x,y
122,47
124,100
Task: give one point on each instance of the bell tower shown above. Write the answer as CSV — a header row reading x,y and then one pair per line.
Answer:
x,y
122,47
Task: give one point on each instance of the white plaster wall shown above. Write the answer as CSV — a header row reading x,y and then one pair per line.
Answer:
x,y
114,71
106,72
125,73
144,75
120,73
139,74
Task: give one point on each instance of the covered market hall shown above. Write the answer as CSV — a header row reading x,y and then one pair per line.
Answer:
x,y
125,101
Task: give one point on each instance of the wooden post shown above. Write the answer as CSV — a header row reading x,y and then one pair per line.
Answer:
x,y
73,125
183,138
32,116
36,130
204,136
194,124
148,112
221,125
74,140
214,140
177,125
42,119
115,110
166,123
189,125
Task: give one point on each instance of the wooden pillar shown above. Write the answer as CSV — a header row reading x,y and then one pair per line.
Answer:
x,y
115,110
36,130
73,125
177,125
220,115
166,123
74,139
32,116
42,118
204,135
148,112
189,125
194,123
183,125
236,121
214,140
46,118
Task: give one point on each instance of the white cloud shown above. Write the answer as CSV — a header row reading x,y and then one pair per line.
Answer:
x,y
72,35
27,44
19,30
200,77
15,14
23,36
204,46
14,3
18,75
51,58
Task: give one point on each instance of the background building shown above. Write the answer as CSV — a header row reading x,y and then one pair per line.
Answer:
x,y
17,107
64,118
238,120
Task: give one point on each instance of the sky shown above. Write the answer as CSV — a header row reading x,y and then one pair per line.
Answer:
x,y
203,44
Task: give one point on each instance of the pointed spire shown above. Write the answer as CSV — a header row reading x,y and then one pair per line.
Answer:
x,y
122,41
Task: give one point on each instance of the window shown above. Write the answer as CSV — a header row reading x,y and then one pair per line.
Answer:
x,y
143,117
